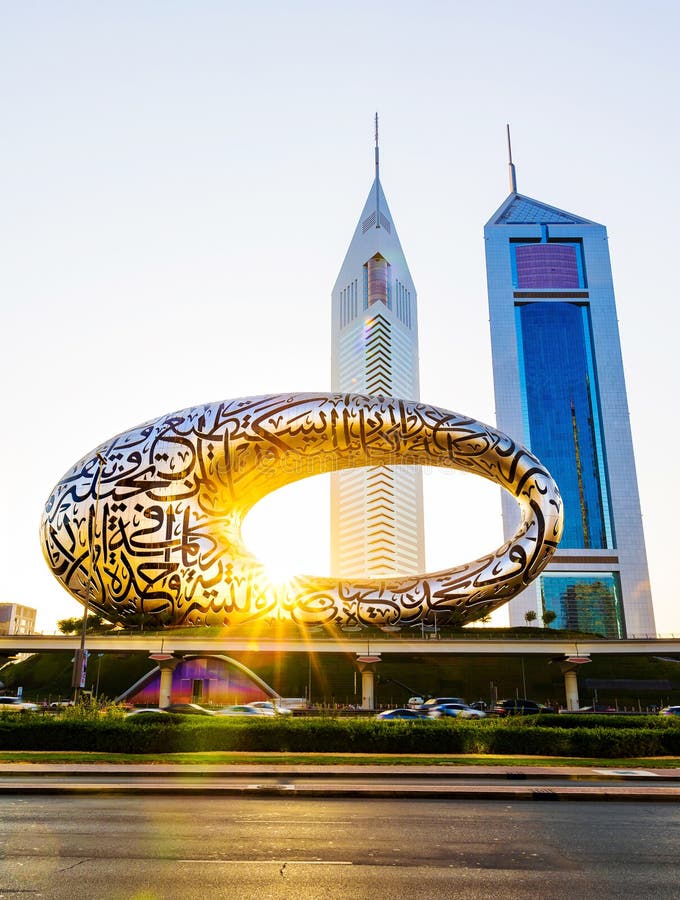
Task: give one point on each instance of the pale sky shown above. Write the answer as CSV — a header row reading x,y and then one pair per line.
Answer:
x,y
180,182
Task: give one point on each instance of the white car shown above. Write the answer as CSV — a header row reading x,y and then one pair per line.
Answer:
x,y
16,704
149,711
246,709
271,708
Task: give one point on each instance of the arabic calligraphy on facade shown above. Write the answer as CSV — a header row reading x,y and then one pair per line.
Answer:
x,y
155,529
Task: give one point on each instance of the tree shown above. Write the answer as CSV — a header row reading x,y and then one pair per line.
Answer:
x,y
549,617
95,622
530,616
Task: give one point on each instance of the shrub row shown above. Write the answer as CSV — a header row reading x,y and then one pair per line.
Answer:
x,y
337,735
594,720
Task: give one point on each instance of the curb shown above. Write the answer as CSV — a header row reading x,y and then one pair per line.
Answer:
x,y
414,792
344,781
302,771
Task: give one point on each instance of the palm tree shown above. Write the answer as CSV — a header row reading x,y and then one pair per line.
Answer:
x,y
530,616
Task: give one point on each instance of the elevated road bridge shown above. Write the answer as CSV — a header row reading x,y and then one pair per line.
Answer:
x,y
350,643
167,649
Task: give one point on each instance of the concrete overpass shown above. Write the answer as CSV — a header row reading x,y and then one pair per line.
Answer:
x,y
351,643
570,654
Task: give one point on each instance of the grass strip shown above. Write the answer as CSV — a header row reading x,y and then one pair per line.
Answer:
x,y
330,759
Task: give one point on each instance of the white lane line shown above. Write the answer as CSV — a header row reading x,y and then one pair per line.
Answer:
x,y
638,772
270,862
271,786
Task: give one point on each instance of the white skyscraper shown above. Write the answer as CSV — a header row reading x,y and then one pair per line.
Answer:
x,y
376,513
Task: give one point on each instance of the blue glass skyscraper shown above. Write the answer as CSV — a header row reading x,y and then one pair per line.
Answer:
x,y
559,387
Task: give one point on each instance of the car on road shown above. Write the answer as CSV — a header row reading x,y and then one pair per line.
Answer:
x,y
16,704
519,707
245,709
456,711
188,709
411,714
670,711
146,712
268,706
439,701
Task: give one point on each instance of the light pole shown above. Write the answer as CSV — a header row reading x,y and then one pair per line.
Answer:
x,y
80,659
309,679
99,668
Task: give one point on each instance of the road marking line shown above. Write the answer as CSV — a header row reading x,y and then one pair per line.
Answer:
x,y
272,862
639,772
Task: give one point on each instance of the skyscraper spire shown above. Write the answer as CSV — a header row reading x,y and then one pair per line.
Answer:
x,y
377,175
511,166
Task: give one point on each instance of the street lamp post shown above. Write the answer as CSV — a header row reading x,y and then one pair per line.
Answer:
x,y
99,669
80,659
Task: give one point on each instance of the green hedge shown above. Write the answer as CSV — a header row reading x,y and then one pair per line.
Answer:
x,y
187,734
595,720
586,742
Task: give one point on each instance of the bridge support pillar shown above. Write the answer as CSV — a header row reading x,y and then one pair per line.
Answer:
x,y
366,665
571,690
167,667
569,666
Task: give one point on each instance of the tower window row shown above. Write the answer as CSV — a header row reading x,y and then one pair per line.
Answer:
x,y
349,303
403,303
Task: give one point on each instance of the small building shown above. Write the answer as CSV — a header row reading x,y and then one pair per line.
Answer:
x,y
212,680
15,618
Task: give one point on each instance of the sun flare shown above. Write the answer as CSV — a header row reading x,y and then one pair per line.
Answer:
x,y
289,530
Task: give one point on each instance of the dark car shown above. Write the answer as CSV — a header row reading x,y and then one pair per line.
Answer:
x,y
188,709
519,707
412,714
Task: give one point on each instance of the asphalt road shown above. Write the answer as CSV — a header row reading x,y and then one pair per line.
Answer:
x,y
151,847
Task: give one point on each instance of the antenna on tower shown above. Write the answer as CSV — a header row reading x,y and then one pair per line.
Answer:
x,y
377,150
377,175
511,165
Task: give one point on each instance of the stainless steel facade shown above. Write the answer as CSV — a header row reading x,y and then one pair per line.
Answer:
x,y
148,525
